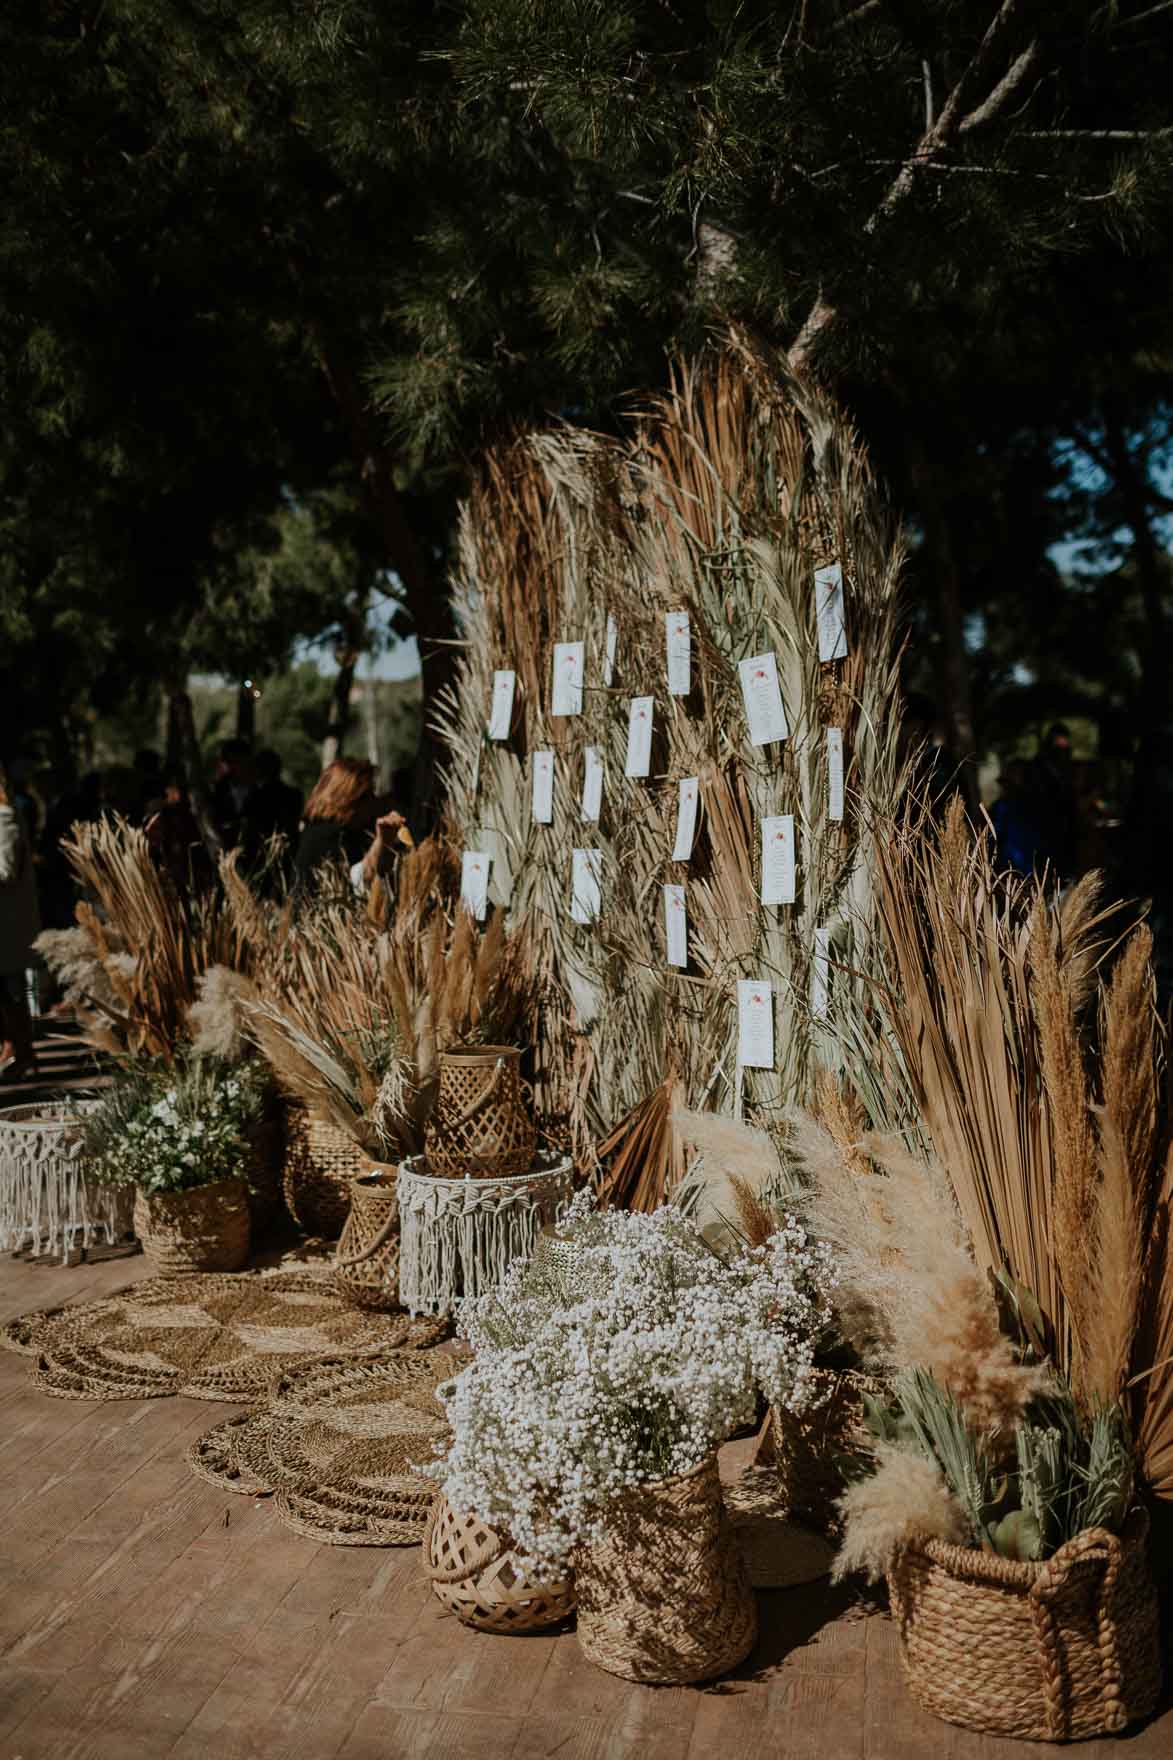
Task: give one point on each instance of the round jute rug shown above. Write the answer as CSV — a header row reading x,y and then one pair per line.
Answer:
x,y
207,1336
337,1444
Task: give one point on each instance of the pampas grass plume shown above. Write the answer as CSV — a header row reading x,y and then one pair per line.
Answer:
x,y
216,1019
904,1500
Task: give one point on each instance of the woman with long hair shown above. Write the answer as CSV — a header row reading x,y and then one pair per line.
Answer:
x,y
340,815
20,924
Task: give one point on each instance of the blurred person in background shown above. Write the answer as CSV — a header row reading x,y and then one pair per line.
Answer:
x,y
174,839
271,809
345,820
230,790
20,924
1055,804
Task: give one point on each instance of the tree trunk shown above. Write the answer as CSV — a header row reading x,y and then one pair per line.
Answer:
x,y
954,692
246,713
181,725
426,600
339,720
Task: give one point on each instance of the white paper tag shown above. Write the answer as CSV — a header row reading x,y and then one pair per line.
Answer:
x,y
586,874
592,783
829,610
676,925
679,653
639,736
762,696
834,773
690,790
501,716
566,696
611,650
778,859
755,1024
474,883
820,973
543,783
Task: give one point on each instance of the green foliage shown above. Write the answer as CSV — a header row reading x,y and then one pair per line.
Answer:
x,y
168,1129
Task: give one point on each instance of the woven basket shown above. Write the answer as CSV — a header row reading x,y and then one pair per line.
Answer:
x,y
480,1127
818,1451
366,1262
475,1573
666,1596
203,1229
1048,1652
320,1162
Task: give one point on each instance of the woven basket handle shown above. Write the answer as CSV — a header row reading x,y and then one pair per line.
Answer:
x,y
485,1095
1095,1546
380,1240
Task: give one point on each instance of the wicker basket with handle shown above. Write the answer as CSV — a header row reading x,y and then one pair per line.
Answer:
x,y
477,1576
205,1228
480,1127
366,1262
320,1162
1048,1652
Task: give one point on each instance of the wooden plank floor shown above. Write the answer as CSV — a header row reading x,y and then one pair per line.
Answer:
x,y
147,1616
144,1615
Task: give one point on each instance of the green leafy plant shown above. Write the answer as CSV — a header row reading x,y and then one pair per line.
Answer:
x,y
169,1129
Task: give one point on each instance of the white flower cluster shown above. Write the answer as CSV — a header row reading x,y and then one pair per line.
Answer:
x,y
568,1406
189,1132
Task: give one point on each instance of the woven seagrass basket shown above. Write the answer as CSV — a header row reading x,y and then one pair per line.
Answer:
x,y
205,1228
666,1596
480,1127
366,1261
1047,1652
476,1575
819,1450
320,1162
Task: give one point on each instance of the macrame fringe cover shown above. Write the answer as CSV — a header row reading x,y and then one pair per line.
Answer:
x,y
1050,1652
459,1237
47,1199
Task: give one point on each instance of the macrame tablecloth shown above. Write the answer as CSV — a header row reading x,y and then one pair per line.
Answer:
x,y
458,1237
47,1199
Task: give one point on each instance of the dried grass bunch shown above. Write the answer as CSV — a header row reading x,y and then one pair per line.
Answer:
x,y
135,960
722,499
1015,1277
352,1007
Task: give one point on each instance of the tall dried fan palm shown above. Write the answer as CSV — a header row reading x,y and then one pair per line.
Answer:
x,y
724,498
1046,1114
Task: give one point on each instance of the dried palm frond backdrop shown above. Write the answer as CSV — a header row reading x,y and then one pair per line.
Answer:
x,y
724,498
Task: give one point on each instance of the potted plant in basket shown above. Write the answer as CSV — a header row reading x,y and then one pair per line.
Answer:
x,y
182,1136
587,1425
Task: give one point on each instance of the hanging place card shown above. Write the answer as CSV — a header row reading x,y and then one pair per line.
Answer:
x,y
834,773
639,736
778,859
755,1024
829,610
762,696
676,925
474,883
566,696
501,715
679,653
690,790
820,974
610,650
586,874
592,783
543,785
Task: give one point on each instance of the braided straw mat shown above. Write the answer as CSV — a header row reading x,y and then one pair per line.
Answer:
x,y
219,1337
337,1444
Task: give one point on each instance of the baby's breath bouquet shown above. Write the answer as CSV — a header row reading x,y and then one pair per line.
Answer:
x,y
648,1359
169,1128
